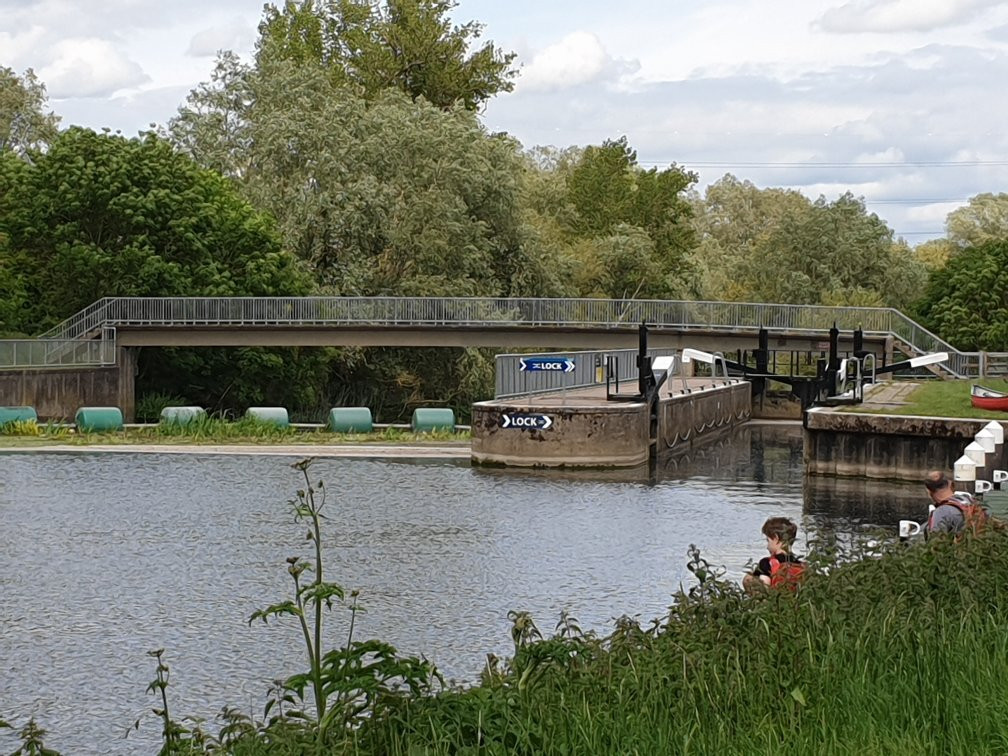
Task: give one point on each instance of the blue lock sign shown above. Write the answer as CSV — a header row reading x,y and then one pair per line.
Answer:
x,y
529,421
546,364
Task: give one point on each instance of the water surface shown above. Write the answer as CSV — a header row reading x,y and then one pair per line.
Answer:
x,y
107,556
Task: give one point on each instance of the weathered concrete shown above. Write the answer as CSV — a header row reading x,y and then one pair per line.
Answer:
x,y
583,434
588,431
895,447
516,335
685,418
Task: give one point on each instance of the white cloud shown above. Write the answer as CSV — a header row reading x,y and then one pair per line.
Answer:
x,y
882,16
88,67
579,58
235,34
892,155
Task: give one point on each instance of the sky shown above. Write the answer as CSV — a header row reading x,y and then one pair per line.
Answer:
x,y
900,102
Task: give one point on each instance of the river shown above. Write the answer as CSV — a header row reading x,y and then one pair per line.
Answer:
x,y
105,557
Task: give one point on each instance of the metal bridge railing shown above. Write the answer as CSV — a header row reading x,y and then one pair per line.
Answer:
x,y
39,353
488,311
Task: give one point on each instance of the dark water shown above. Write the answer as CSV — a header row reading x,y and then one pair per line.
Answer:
x,y
107,556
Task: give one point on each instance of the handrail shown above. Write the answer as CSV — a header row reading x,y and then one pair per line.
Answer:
x,y
483,311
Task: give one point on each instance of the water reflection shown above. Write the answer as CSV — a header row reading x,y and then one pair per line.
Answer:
x,y
105,557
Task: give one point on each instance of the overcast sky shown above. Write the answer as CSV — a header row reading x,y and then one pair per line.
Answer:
x,y
899,101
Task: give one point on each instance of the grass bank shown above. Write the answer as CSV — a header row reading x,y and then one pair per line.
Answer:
x,y
903,653
210,430
938,398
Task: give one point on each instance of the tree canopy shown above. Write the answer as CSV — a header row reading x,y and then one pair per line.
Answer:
x,y
983,219
25,123
966,302
773,245
99,215
409,45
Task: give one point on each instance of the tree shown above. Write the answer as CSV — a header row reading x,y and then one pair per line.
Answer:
x,y
409,45
386,196
99,215
212,126
24,123
613,199
934,253
11,283
390,197
983,219
773,245
966,302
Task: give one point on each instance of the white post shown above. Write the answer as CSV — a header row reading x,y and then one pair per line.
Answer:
x,y
978,454
986,439
964,471
999,451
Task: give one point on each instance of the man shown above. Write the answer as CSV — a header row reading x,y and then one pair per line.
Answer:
x,y
953,512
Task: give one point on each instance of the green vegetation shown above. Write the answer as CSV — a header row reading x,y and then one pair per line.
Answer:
x,y
216,431
885,648
937,398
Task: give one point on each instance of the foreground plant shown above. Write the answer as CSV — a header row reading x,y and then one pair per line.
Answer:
x,y
31,740
349,684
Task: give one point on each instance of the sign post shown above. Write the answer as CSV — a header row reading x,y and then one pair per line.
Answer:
x,y
563,365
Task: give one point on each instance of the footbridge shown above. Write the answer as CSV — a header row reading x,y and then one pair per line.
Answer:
x,y
101,334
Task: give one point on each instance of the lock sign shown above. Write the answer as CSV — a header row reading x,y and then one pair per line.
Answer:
x,y
526,421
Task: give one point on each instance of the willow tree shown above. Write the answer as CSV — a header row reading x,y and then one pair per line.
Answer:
x,y
775,245
26,124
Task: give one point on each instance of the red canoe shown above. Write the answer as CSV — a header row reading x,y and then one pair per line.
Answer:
x,y
989,399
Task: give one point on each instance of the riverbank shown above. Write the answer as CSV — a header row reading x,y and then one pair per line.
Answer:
x,y
439,450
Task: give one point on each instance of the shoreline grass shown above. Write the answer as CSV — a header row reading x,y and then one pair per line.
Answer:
x,y
940,398
212,431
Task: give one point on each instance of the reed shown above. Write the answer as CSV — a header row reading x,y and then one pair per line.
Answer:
x,y
902,652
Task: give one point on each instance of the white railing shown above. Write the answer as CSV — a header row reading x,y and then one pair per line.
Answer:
x,y
40,353
111,312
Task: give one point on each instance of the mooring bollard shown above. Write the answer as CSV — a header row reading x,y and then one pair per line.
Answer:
x,y
997,430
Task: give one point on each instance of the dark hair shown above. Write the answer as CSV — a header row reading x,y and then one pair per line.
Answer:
x,y
936,481
782,529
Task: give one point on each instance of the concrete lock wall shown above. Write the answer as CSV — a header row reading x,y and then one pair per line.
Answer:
x,y
887,447
613,435
684,418
598,433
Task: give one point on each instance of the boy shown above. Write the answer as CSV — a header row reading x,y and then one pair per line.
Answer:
x,y
781,568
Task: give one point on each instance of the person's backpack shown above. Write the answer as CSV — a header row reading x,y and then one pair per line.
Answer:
x,y
974,515
786,574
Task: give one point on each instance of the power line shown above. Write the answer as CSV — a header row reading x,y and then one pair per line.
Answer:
x,y
837,164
